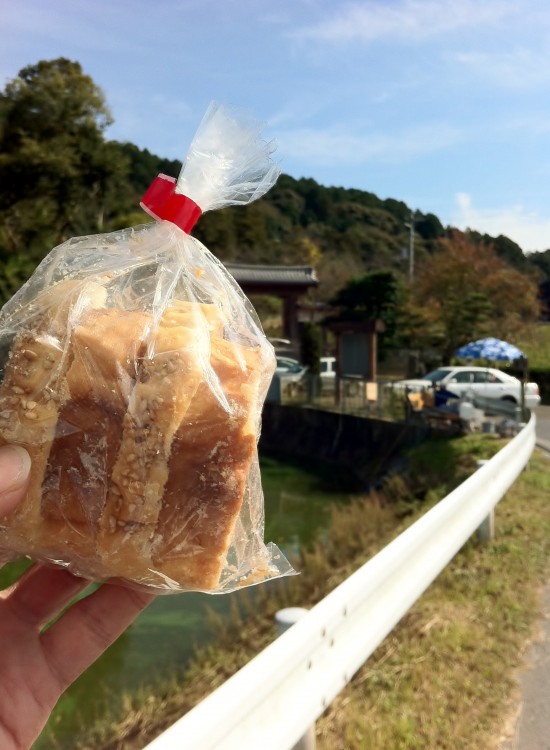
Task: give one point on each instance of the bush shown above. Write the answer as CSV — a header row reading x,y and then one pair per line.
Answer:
x,y
311,348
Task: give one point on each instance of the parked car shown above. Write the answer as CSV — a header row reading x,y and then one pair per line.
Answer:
x,y
281,346
291,373
486,382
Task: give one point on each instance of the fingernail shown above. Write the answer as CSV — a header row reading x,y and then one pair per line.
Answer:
x,y
15,466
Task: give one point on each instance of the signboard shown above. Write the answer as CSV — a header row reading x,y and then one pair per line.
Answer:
x,y
354,354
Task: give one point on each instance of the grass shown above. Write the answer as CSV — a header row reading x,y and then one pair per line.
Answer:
x,y
444,678
536,345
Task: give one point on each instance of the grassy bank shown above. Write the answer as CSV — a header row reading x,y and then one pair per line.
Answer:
x,y
444,677
536,345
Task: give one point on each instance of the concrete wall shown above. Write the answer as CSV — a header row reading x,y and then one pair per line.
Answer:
x,y
366,448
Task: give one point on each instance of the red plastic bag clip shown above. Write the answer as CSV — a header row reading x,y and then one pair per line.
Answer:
x,y
162,203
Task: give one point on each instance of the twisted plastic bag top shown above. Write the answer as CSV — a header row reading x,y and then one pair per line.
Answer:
x,y
228,162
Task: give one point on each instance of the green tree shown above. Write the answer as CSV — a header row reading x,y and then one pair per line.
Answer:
x,y
250,225
541,261
377,295
374,295
463,292
57,172
13,272
311,347
429,227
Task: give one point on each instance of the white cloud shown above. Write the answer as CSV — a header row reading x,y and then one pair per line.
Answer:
x,y
340,146
409,20
529,229
518,68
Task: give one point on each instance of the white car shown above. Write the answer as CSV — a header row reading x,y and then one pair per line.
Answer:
x,y
479,381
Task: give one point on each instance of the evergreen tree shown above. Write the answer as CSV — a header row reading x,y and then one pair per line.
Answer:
x,y
57,172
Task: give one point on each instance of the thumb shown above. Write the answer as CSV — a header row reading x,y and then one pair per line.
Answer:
x,y
15,466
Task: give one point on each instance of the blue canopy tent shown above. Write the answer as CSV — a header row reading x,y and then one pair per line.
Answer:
x,y
490,349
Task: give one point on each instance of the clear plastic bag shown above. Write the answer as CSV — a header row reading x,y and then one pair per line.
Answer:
x,y
134,374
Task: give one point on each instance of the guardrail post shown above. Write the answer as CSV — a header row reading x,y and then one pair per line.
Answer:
x,y
284,619
486,530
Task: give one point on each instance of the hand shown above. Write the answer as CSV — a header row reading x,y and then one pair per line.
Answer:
x,y
37,665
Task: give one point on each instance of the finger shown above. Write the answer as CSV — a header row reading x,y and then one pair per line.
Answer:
x,y
41,593
84,632
15,466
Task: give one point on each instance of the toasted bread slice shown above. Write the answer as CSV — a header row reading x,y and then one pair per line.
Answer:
x,y
208,470
31,394
105,348
166,383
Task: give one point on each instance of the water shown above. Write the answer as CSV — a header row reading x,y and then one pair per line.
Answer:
x,y
163,638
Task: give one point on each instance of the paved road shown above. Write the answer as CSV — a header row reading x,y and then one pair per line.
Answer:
x,y
530,728
543,424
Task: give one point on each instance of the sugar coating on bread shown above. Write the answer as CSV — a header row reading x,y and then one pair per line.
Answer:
x,y
31,393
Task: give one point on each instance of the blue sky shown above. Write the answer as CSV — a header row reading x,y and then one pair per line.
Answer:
x,y
444,104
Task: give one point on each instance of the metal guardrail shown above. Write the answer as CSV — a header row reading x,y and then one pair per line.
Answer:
x,y
498,407
272,701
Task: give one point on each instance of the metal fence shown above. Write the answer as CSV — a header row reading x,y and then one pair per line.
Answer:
x,y
383,399
347,395
272,701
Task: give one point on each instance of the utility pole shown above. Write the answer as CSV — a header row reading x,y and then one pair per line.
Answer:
x,y
410,225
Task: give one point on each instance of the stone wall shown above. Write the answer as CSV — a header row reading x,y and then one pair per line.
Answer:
x,y
365,448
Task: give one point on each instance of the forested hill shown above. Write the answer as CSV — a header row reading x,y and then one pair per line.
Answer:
x,y
343,232
60,177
